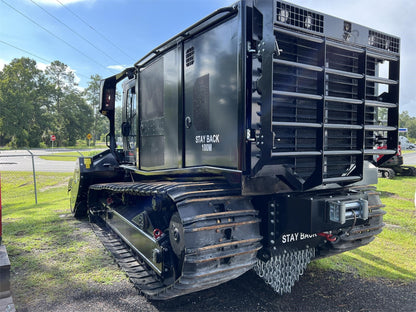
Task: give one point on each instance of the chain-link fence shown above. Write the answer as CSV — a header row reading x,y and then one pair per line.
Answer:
x,y
16,164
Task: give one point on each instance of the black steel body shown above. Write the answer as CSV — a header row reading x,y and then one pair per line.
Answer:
x,y
318,96
266,100
100,168
265,95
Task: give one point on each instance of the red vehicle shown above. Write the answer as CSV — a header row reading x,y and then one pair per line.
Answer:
x,y
394,165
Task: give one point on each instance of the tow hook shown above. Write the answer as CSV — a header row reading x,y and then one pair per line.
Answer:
x,y
329,237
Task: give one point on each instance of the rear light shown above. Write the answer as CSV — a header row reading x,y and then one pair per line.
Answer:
x,y
283,16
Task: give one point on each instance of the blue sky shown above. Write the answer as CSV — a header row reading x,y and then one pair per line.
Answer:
x,y
134,27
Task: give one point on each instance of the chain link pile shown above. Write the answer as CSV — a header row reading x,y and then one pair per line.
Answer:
x,y
281,272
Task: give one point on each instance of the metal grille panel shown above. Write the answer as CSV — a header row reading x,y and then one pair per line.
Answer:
x,y
323,98
383,41
299,17
320,121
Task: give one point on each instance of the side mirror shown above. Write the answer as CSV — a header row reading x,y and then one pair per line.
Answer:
x,y
108,90
108,95
125,129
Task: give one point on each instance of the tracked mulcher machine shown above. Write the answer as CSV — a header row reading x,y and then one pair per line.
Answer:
x,y
248,143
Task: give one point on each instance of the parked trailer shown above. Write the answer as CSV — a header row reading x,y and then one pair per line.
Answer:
x,y
248,143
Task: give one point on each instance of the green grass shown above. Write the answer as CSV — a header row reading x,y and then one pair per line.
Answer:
x,y
50,252
392,254
67,156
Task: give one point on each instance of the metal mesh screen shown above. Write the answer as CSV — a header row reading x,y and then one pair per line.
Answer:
x,y
299,17
382,41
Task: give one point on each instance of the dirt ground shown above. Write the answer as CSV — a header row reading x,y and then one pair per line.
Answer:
x,y
316,291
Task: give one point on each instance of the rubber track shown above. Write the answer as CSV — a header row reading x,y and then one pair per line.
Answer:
x,y
143,278
205,265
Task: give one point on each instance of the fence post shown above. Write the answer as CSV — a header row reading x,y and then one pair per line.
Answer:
x,y
34,176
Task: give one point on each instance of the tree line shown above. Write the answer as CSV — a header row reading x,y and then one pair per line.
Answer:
x,y
409,122
35,103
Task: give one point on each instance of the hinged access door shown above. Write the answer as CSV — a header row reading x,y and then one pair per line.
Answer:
x,y
212,91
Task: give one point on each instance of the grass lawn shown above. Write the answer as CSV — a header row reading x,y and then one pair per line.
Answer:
x,y
67,156
51,252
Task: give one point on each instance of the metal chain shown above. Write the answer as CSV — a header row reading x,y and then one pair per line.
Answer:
x,y
281,272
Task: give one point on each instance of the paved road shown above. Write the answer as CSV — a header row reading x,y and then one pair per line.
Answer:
x,y
21,160
409,158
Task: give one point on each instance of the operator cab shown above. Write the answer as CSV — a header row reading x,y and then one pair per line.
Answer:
x,y
129,122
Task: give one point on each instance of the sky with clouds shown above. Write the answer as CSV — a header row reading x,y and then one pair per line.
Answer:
x,y
102,36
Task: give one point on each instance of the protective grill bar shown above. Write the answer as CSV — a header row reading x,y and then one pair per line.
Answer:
x,y
325,102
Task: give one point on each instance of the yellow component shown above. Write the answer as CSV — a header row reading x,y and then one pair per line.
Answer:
x,y
89,136
137,157
87,163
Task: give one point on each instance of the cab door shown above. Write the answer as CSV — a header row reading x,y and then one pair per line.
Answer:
x,y
129,122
